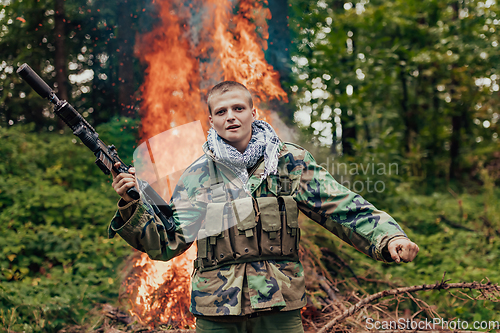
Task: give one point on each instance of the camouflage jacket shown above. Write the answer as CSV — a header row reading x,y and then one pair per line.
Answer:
x,y
244,288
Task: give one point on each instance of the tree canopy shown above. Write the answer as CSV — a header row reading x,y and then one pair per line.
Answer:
x,y
418,80
96,49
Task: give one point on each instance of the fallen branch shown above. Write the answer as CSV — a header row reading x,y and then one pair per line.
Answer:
x,y
454,224
488,224
329,253
115,314
484,287
389,283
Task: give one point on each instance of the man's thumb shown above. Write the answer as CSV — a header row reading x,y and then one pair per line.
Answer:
x,y
393,251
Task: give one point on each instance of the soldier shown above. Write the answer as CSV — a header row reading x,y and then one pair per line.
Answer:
x,y
240,202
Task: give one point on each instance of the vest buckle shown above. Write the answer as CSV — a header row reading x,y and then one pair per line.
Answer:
x,y
284,186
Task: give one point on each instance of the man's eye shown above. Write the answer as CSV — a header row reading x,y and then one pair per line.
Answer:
x,y
220,112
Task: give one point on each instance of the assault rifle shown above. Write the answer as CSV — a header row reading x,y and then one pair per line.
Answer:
x,y
106,156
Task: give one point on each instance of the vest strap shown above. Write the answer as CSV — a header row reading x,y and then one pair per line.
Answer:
x,y
218,193
214,175
216,184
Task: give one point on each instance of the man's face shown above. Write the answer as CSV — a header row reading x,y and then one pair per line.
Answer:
x,y
232,117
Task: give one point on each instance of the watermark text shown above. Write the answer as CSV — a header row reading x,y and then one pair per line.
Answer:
x,y
430,324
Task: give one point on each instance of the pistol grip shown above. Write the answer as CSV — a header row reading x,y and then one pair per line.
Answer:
x,y
133,193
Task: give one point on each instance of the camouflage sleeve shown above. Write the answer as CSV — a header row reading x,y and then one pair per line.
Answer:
x,y
345,213
137,224
127,209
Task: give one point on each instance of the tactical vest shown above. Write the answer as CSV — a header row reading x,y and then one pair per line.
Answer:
x,y
248,229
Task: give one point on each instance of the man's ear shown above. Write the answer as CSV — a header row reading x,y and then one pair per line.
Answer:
x,y
254,113
211,121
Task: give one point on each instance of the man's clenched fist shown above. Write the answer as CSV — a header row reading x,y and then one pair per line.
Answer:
x,y
402,249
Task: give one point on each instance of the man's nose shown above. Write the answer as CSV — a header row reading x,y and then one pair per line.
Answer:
x,y
230,114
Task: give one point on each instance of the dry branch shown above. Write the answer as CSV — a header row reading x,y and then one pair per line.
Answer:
x,y
454,224
115,314
484,287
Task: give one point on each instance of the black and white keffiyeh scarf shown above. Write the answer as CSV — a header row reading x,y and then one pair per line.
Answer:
x,y
264,141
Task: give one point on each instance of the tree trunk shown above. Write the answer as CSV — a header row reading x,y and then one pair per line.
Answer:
x,y
436,145
408,113
456,123
60,55
456,119
278,53
349,130
126,61
348,134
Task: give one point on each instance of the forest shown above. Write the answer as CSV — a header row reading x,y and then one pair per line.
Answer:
x,y
398,100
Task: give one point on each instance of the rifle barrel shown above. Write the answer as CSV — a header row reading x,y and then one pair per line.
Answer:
x,y
35,81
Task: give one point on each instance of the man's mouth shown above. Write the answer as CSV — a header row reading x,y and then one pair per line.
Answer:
x,y
232,127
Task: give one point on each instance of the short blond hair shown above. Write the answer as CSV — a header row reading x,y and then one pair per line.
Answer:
x,y
224,87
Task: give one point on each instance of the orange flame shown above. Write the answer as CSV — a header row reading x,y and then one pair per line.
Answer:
x,y
239,49
197,45
159,291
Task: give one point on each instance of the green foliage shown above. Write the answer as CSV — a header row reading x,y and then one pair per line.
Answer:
x,y
453,237
93,51
121,132
424,71
24,28
55,204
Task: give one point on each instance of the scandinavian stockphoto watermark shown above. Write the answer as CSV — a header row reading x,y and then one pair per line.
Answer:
x,y
358,177
371,171
430,324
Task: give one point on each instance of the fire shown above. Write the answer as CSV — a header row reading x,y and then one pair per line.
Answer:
x,y
197,44
240,49
161,289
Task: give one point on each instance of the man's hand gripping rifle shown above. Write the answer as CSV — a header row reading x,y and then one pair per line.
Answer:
x,y
106,156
